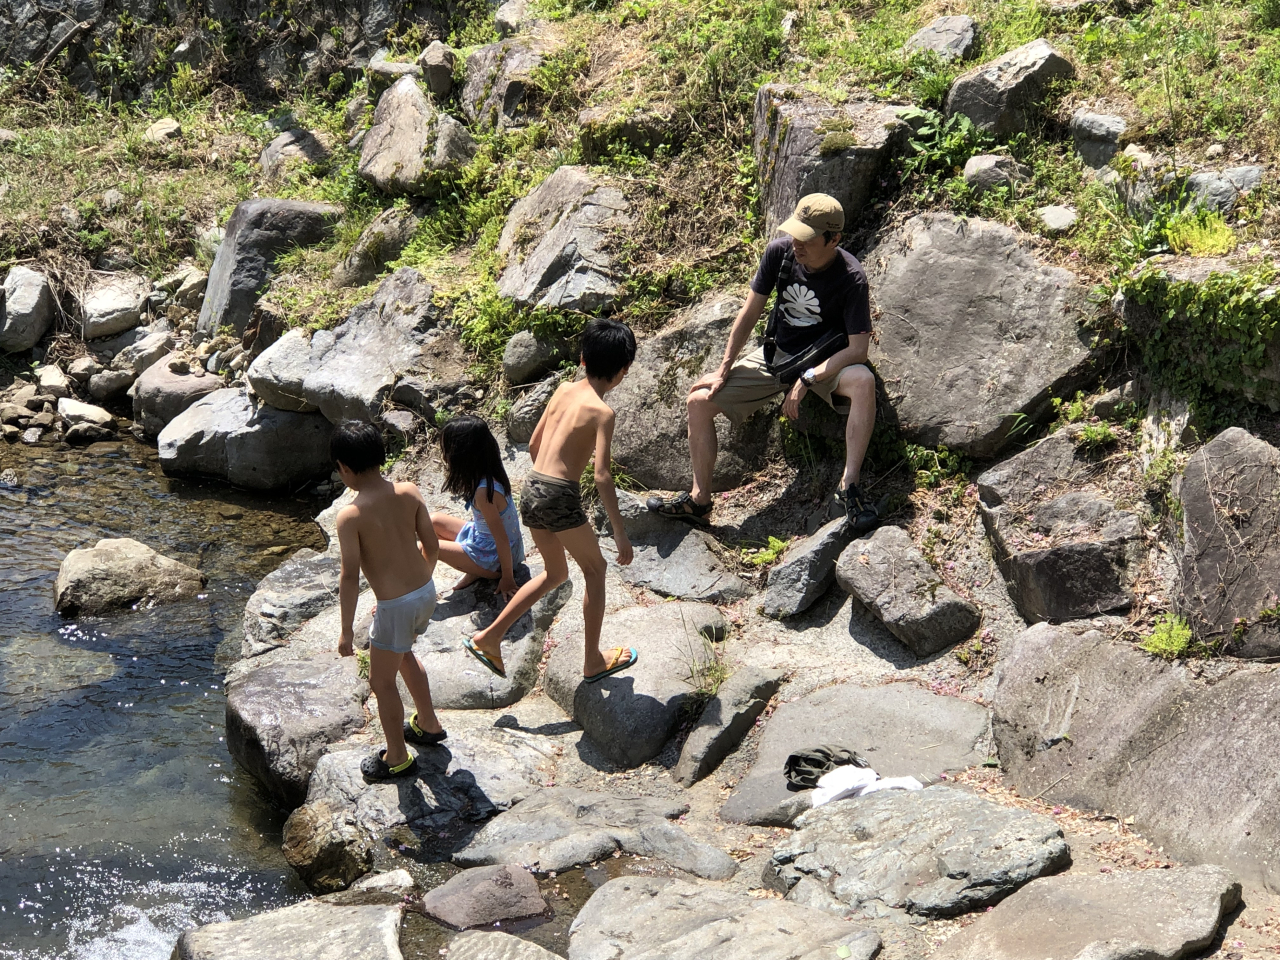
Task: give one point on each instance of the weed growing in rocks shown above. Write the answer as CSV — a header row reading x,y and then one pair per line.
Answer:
x,y
1170,637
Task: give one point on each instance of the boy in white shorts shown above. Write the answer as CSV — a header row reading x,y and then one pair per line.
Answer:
x,y
386,533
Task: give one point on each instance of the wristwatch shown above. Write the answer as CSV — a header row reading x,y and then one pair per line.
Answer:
x,y
808,377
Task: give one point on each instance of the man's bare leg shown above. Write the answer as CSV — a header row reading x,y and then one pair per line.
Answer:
x,y
859,385
702,442
555,571
383,666
415,679
583,546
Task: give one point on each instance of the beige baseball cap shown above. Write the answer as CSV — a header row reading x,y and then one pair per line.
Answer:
x,y
814,215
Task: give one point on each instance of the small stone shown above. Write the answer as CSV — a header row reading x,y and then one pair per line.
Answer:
x,y
82,368
1057,220
483,896
437,63
32,435
112,200
1215,151
163,130
990,171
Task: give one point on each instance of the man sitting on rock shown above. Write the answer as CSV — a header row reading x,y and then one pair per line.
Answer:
x,y
816,340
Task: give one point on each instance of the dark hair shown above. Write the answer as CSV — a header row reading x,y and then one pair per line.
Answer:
x,y
471,456
829,235
357,446
607,347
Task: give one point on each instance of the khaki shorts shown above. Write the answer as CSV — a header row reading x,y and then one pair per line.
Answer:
x,y
751,386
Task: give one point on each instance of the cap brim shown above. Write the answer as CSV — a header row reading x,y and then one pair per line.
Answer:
x,y
799,230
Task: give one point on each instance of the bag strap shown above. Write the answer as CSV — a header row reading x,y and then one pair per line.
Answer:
x,y
771,324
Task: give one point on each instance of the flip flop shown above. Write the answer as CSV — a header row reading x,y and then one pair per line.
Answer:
x,y
485,659
375,768
415,734
614,665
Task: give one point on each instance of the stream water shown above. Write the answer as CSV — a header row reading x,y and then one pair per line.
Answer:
x,y
124,819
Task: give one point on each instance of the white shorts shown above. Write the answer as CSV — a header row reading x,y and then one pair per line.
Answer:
x,y
397,622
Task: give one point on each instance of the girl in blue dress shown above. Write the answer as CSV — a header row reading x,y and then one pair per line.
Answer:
x,y
489,545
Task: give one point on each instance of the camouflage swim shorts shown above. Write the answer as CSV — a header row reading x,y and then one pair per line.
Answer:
x,y
550,503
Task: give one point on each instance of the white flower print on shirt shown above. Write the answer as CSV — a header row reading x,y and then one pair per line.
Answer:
x,y
800,306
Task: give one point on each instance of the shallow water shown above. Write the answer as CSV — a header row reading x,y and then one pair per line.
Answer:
x,y
124,819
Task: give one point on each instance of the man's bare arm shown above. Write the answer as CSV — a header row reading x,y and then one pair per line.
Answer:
x,y
349,580
855,352
604,486
738,337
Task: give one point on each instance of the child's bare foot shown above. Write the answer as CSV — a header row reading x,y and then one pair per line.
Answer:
x,y
600,666
467,580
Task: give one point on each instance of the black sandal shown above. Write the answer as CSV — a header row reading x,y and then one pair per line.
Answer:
x,y
681,507
415,734
860,515
375,768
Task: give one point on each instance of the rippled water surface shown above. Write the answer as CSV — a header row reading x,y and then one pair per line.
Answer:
x,y
123,819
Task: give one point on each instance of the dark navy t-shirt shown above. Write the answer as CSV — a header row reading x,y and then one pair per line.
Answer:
x,y
835,298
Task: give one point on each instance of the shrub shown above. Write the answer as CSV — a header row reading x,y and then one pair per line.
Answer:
x,y
1170,638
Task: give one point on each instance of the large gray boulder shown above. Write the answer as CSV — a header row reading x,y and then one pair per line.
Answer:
x,y
412,147
522,419
287,597
437,62
1230,570
224,435
903,730
113,304
562,827
119,573
1002,96
804,145
631,715
258,232
311,930
281,718
651,434
1153,914
483,896
974,331
806,570
26,310
951,38
349,372
1083,720
725,720
557,243
329,839
497,80
1065,556
931,853
681,563
891,578
654,918
380,242
167,388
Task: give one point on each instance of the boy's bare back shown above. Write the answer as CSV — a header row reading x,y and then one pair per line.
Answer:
x,y
380,531
568,432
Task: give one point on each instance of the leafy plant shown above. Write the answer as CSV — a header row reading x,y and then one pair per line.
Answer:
x,y
1096,436
1201,233
940,146
1170,638
763,556
1071,411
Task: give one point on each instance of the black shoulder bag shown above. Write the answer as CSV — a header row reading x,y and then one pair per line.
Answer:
x,y
789,368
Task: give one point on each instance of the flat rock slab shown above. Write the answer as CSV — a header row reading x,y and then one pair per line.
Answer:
x,y
631,715
681,563
725,721
891,578
118,573
650,918
806,571
651,435
558,243
287,597
804,144
458,680
951,294
485,895
1101,725
496,946
282,717
932,853
1230,497
460,785
310,930
226,435
902,730
1156,914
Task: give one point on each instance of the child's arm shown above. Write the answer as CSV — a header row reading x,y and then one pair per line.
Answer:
x,y
349,580
535,442
604,486
489,510
426,532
